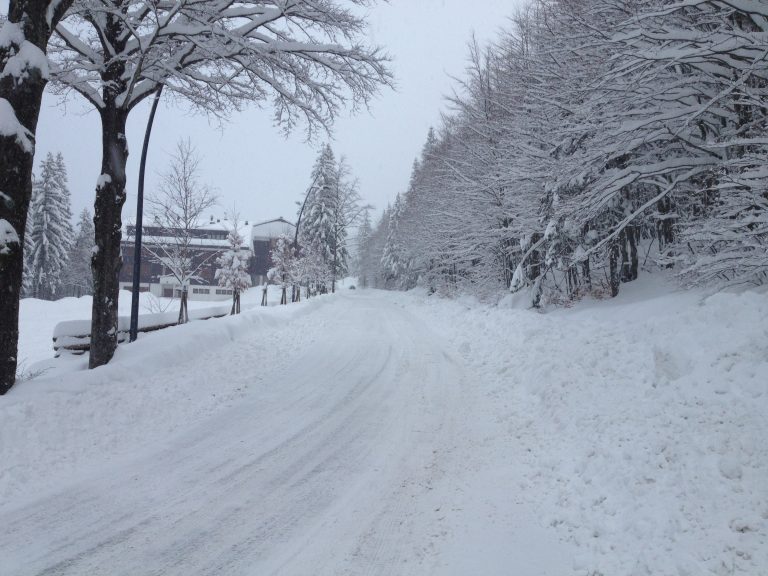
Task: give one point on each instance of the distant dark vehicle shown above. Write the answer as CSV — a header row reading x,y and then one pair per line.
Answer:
x,y
352,287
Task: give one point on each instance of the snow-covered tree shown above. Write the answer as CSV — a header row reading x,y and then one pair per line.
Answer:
x,y
51,234
311,269
589,133
316,228
305,59
364,233
77,276
333,207
233,265
27,290
283,271
24,73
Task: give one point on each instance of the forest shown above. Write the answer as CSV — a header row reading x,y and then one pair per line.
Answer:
x,y
593,140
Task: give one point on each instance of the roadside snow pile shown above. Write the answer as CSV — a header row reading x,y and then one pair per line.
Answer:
x,y
637,427
70,420
38,318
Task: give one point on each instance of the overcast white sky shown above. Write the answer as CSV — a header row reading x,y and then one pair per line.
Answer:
x,y
250,163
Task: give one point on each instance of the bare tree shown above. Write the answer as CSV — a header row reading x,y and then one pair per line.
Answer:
x,y
23,76
304,58
177,210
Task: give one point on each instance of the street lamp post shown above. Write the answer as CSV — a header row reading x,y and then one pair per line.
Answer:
x,y
138,228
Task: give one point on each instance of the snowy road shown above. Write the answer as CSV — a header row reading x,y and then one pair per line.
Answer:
x,y
356,461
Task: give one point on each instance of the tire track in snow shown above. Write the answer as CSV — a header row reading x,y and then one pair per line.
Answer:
x,y
335,461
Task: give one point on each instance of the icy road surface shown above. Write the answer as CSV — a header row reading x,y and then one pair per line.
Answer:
x,y
361,456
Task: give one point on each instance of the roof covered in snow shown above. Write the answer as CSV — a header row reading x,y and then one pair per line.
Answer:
x,y
272,229
212,231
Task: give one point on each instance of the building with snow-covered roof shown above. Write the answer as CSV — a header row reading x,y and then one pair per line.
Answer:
x,y
208,239
264,236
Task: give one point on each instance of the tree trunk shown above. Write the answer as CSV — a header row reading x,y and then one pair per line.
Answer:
x,y
264,296
633,234
614,255
107,222
335,264
183,308
23,94
284,295
534,268
587,273
665,224
629,258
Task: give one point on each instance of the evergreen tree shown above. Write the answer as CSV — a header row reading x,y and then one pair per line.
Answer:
x,y
233,271
283,269
333,206
393,261
317,229
78,277
51,234
26,277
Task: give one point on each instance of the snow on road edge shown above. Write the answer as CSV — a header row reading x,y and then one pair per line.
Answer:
x,y
636,427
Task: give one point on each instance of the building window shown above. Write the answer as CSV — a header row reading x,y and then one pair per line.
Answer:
x,y
200,291
222,291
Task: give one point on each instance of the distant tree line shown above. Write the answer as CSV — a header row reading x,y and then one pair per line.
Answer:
x,y
318,257
591,139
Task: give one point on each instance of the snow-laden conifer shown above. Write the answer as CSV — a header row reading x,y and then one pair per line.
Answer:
x,y
284,270
51,234
232,272
77,278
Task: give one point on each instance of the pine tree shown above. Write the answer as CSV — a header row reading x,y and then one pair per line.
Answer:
x,y
393,261
333,206
27,290
77,277
233,271
317,229
51,234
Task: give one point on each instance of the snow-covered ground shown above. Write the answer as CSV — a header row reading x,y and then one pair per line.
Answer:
x,y
636,427
379,433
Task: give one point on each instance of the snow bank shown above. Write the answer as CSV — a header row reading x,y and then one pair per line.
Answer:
x,y
39,318
76,332
637,426
70,417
